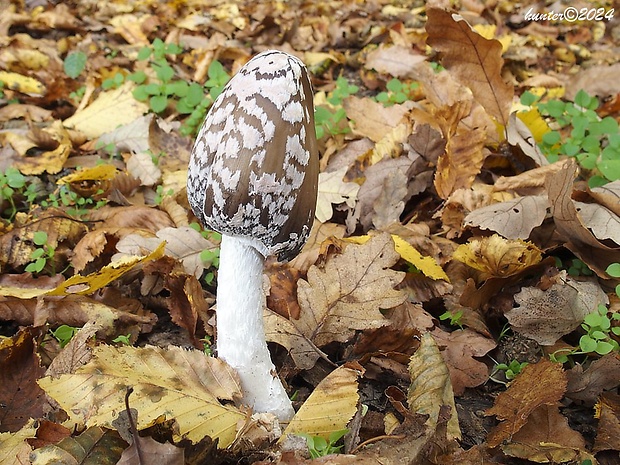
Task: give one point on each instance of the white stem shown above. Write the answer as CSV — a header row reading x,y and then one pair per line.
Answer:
x,y
240,331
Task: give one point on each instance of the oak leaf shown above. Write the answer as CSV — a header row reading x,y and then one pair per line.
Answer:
x,y
334,190
343,296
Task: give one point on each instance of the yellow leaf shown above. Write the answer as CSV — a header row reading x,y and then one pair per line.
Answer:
x,y
50,161
430,387
96,173
535,123
498,257
111,109
88,284
174,383
329,408
21,83
14,448
427,265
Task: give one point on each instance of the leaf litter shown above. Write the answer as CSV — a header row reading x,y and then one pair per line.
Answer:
x,y
444,243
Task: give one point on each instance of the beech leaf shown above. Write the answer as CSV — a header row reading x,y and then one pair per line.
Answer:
x,y
472,59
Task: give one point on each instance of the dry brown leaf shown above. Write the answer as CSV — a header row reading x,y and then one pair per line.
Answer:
x,y
135,216
334,190
608,196
528,179
541,383
519,135
473,60
76,353
20,368
430,387
344,295
608,434
545,316
372,119
396,60
459,349
587,385
513,219
546,437
579,239
603,223
141,166
51,161
152,451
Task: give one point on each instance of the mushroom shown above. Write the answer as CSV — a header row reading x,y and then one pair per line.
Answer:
x,y
253,176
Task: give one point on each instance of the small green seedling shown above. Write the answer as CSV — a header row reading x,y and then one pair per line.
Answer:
x,y
74,64
613,270
42,255
454,317
122,339
598,326
63,334
396,92
512,369
318,446
334,121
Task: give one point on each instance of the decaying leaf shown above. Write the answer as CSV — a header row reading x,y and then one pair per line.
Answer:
x,y
93,446
330,406
14,448
20,368
608,437
546,437
430,387
495,256
586,385
343,296
542,383
173,383
473,60
545,316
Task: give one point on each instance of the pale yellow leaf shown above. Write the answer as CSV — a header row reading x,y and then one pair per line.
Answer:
x,y
142,167
21,83
179,384
330,407
110,110
430,387
333,190
96,173
14,450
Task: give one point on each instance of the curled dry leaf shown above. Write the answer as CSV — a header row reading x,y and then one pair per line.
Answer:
x,y
495,256
545,316
542,383
472,59
50,161
459,349
587,385
546,437
343,296
608,435
430,387
334,190
173,382
514,219
608,196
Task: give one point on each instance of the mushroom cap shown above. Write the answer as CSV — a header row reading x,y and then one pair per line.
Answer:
x,y
253,171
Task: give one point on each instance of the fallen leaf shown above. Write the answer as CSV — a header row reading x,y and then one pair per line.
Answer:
x,y
459,349
95,445
495,256
372,119
608,196
172,383
430,387
344,295
587,384
514,219
608,434
545,316
541,383
395,60
111,109
329,408
333,190
546,437
20,368
473,60
14,448
141,166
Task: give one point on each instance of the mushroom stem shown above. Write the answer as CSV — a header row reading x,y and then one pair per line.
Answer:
x,y
240,330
